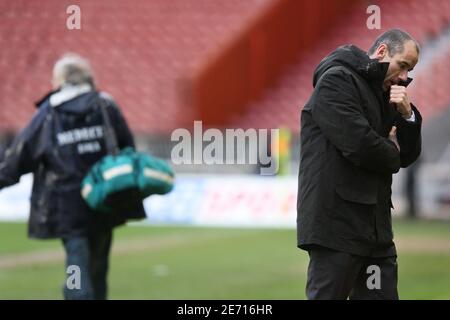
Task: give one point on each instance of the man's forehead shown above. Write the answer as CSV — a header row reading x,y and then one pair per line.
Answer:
x,y
409,54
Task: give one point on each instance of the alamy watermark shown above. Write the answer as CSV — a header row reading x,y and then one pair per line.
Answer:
x,y
74,279
374,20
374,280
235,146
73,21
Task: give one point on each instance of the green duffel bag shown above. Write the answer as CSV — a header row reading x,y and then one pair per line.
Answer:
x,y
123,178
127,176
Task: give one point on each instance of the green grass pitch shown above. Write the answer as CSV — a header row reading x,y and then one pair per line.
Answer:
x,y
153,262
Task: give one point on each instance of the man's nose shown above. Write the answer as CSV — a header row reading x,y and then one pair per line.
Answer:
x,y
404,75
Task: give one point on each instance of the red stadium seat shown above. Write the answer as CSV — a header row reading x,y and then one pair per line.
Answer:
x,y
423,19
139,50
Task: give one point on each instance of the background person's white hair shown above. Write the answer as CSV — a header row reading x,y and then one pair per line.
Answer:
x,y
72,69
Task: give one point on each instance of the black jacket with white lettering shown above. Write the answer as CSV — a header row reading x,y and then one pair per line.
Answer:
x,y
59,150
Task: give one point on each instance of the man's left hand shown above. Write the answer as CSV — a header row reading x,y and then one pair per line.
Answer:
x,y
399,97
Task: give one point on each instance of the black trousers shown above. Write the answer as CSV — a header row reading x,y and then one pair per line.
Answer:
x,y
334,275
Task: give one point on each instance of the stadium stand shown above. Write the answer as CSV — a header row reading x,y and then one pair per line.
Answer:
x,y
425,20
143,52
233,63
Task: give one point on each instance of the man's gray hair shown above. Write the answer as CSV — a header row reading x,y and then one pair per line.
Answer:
x,y
72,69
394,39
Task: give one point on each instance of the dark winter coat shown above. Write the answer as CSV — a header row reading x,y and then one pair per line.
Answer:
x,y
347,160
59,153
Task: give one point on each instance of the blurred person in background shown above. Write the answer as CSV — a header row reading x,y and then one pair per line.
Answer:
x,y
59,145
411,191
357,129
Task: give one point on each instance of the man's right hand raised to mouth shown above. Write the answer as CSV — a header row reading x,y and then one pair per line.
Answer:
x,y
399,97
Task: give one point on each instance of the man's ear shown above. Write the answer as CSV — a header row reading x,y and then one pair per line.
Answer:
x,y
381,52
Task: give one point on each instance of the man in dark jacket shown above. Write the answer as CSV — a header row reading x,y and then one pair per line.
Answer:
x,y
60,144
357,129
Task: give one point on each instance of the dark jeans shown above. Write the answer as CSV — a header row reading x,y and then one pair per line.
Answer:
x,y
90,256
339,275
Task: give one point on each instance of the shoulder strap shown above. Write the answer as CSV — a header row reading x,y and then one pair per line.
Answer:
x,y
112,146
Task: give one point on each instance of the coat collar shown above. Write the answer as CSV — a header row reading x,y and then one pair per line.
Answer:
x,y
358,60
